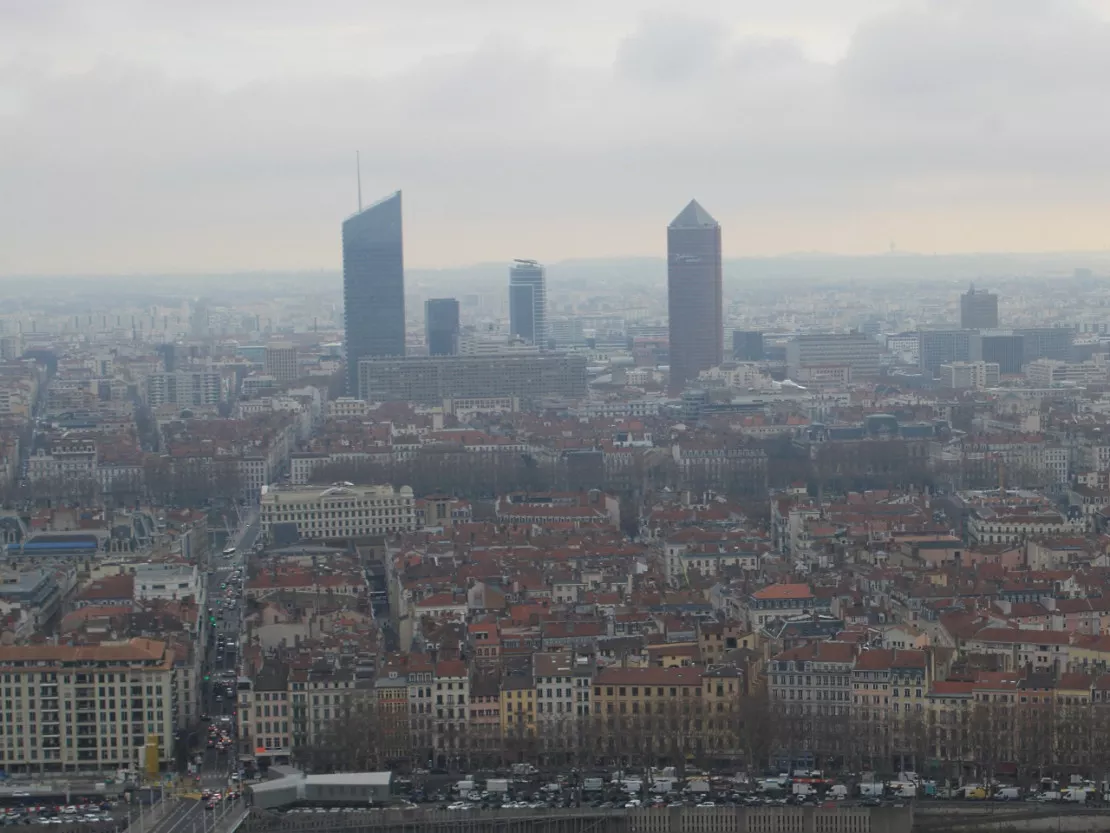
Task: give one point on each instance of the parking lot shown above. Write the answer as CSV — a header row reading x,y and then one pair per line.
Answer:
x,y
78,814
598,790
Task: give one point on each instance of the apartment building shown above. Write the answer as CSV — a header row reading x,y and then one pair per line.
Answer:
x,y
554,676
484,726
518,708
429,380
265,719
339,511
86,708
969,375
280,361
1047,373
169,582
68,459
392,708
782,601
421,698
815,677
651,708
347,406
452,693
890,681
319,697
184,387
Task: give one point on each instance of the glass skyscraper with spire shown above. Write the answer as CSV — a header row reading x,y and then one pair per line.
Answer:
x,y
373,285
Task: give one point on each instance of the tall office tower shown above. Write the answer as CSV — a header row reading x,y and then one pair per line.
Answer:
x,y
978,310
694,294
280,361
373,285
441,326
747,346
528,302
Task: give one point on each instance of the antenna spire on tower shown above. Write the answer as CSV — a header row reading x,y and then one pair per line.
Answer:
x,y
358,176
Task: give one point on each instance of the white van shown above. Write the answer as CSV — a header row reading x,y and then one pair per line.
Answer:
x,y
592,785
838,792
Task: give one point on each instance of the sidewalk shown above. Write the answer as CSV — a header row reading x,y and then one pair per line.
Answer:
x,y
232,820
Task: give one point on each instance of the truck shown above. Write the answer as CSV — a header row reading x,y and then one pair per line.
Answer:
x,y
498,785
871,789
697,785
802,788
1078,795
463,787
592,785
838,792
523,769
662,786
903,789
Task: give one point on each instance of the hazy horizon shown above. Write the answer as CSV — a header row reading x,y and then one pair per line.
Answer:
x,y
946,266
140,138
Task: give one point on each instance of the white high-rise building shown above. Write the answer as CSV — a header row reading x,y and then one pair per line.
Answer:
x,y
281,361
528,302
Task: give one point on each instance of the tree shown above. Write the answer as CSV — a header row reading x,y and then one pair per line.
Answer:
x,y
359,738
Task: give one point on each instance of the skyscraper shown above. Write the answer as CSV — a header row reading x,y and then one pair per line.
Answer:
x,y
373,285
978,310
441,326
528,302
694,294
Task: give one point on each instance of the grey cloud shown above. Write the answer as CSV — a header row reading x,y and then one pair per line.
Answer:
x,y
671,49
958,107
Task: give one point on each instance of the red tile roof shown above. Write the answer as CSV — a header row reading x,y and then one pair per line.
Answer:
x,y
784,591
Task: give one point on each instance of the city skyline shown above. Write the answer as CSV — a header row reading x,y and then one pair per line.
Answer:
x,y
211,165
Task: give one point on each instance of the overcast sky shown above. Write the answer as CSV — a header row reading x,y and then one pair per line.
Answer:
x,y
220,135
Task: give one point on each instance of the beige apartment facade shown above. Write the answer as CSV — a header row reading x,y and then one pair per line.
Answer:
x,y
86,708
